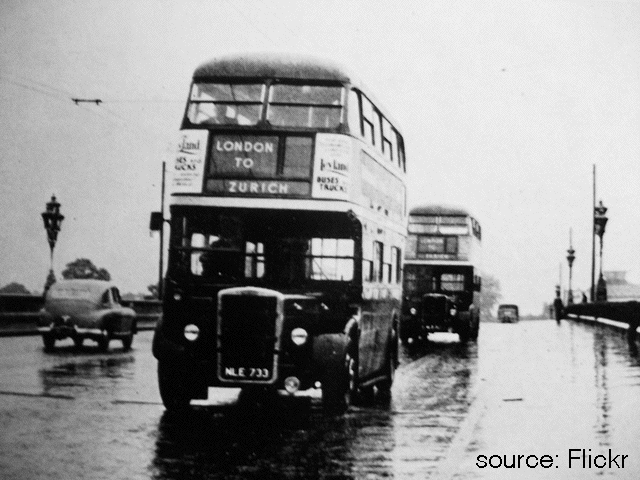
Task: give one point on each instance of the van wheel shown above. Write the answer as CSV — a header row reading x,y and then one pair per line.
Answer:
x,y
49,342
172,388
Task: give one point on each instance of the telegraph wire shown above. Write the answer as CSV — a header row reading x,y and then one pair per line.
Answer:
x,y
34,89
294,36
250,21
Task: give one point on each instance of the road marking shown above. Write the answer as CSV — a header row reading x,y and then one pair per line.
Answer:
x,y
135,402
43,395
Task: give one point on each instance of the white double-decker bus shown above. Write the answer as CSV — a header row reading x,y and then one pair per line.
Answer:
x,y
441,273
287,234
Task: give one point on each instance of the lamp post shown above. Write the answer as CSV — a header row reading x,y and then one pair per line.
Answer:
x,y
52,222
570,258
600,222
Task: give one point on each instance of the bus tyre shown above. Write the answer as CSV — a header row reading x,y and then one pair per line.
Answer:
x,y
49,342
172,388
339,383
475,331
464,333
390,364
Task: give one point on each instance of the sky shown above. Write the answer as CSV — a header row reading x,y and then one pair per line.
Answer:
x,y
505,107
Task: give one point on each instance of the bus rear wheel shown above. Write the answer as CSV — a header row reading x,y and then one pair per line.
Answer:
x,y
390,365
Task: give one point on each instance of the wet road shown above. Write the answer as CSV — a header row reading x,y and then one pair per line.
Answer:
x,y
533,388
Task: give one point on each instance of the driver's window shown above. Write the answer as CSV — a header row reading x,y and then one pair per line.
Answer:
x,y
116,295
106,298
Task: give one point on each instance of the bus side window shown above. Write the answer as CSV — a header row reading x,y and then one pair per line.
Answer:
x,y
354,118
378,251
377,134
367,120
401,158
388,140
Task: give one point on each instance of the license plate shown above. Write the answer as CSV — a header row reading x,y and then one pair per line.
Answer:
x,y
246,373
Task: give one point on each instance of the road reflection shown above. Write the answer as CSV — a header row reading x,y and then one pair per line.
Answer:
x,y
86,372
289,437
292,437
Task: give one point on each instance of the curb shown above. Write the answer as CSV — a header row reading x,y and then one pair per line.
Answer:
x,y
601,321
30,332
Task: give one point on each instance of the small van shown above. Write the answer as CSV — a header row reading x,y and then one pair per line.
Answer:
x,y
508,313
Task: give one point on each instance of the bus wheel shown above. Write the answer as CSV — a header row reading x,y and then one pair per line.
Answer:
x,y
366,395
49,342
172,388
390,367
464,333
475,331
340,383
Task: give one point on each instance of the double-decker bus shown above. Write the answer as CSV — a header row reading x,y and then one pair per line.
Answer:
x,y
441,273
287,231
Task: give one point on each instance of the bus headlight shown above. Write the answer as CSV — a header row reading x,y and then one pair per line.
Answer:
x,y
191,332
177,296
299,336
413,311
453,312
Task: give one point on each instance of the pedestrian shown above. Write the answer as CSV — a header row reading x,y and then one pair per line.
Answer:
x,y
584,298
558,307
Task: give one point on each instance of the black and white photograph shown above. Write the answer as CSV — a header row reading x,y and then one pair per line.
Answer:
x,y
330,239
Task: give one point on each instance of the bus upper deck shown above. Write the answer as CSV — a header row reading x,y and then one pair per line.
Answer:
x,y
273,128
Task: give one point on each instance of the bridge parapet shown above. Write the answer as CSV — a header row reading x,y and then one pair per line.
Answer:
x,y
19,313
621,315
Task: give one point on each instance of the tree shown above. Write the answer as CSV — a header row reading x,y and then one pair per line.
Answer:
x,y
84,268
14,287
489,295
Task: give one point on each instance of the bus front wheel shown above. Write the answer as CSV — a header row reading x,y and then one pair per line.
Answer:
x,y
340,383
172,388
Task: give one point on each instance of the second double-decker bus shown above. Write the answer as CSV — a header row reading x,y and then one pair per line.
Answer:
x,y
287,234
441,273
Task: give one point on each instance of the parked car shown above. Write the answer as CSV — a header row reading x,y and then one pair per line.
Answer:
x,y
508,313
80,309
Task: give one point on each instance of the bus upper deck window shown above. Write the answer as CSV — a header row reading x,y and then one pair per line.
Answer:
x,y
354,113
225,103
311,106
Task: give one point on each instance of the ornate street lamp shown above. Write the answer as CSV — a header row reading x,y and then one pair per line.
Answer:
x,y
570,258
52,223
600,222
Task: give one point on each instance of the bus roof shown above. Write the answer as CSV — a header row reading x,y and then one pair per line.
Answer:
x,y
439,209
270,65
283,66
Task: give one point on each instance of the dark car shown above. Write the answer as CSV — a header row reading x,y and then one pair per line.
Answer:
x,y
508,313
80,309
